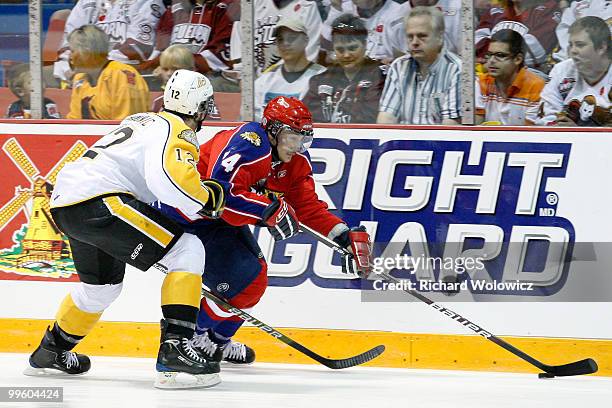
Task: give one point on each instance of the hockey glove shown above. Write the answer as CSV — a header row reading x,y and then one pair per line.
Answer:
x,y
359,261
280,219
216,199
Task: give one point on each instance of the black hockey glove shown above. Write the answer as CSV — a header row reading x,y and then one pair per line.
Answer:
x,y
280,219
216,199
359,261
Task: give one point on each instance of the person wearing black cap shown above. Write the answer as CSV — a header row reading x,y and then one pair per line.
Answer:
x,y
348,92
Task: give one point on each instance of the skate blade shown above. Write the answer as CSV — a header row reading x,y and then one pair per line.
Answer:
x,y
48,372
172,380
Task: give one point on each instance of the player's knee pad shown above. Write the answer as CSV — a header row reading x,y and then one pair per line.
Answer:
x,y
187,255
95,298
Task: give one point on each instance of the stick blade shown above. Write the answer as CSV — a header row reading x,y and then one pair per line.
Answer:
x,y
582,367
354,361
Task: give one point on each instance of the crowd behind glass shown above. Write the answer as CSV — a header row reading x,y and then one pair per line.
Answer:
x,y
538,62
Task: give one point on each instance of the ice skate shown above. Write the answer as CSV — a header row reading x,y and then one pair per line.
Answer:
x,y
48,359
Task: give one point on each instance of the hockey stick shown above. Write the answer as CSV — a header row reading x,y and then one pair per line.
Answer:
x,y
327,362
586,366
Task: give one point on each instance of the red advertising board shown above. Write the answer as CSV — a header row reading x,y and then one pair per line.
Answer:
x,y
31,245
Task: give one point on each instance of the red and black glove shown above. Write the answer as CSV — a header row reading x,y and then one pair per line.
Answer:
x,y
280,219
359,261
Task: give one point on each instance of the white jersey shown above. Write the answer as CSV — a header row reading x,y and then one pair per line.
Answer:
x,y
272,83
150,156
579,9
568,92
120,19
266,17
386,33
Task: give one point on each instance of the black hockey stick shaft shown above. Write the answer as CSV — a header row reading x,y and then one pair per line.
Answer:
x,y
331,363
586,366
334,364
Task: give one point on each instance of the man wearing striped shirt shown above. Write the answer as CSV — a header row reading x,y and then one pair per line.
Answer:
x,y
423,88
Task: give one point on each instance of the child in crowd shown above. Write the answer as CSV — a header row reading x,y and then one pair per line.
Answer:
x,y
171,59
20,83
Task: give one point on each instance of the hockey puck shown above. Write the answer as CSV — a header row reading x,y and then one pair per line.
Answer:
x,y
546,375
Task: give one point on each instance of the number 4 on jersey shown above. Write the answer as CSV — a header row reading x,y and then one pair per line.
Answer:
x,y
228,163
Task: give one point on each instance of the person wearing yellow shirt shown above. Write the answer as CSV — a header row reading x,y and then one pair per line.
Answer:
x,y
102,89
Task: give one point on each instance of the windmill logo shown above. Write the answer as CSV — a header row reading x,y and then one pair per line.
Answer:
x,y
40,249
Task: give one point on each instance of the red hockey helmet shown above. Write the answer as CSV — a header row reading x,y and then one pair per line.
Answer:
x,y
285,112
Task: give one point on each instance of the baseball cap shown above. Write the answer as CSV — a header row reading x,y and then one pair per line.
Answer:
x,y
291,23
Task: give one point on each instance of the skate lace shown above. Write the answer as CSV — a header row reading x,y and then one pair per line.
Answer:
x,y
70,359
235,351
191,352
203,342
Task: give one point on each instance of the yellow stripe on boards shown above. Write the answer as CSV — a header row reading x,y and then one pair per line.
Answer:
x,y
139,221
404,350
181,288
73,320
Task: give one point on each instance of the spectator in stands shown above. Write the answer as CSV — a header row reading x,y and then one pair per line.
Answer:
x,y
579,9
508,94
130,25
535,20
384,21
20,84
102,89
267,15
580,88
349,91
423,87
205,27
290,76
452,21
173,58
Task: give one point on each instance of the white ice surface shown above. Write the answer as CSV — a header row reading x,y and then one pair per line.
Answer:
x,y
128,382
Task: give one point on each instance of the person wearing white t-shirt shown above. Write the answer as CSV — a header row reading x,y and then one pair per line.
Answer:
x,y
579,9
291,76
384,20
580,89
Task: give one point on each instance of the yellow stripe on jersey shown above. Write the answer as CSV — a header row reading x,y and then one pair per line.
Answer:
x,y
75,321
138,220
180,159
181,288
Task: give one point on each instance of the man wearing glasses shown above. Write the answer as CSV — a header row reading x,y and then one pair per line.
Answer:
x,y
508,94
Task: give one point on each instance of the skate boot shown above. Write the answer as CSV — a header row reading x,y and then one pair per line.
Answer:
x,y
179,365
237,353
48,359
206,347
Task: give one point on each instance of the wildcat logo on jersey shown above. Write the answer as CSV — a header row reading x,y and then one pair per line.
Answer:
x,y
443,198
251,137
189,136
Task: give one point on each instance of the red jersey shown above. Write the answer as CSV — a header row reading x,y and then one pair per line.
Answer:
x,y
206,30
242,157
536,25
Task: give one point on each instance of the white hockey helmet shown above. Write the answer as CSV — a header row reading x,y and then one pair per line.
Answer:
x,y
188,92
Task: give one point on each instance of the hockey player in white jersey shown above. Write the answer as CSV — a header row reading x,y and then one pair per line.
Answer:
x,y
99,202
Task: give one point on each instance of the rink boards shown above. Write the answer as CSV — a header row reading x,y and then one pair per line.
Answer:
x,y
434,185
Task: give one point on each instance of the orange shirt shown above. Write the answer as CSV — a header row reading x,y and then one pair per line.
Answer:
x,y
119,92
519,107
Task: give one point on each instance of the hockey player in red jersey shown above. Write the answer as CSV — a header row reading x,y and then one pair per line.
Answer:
x,y
269,176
